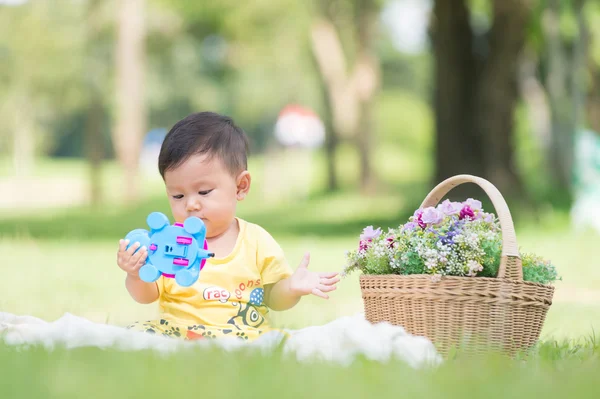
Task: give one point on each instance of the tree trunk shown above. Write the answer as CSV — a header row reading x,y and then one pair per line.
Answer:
x,y
560,102
331,143
349,95
95,149
593,99
498,94
93,139
366,81
458,147
580,62
131,113
331,135
475,94
23,137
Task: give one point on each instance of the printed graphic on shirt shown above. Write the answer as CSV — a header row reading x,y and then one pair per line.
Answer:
x,y
247,315
243,286
216,294
257,296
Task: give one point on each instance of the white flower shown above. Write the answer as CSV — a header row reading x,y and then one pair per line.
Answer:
x,y
430,263
473,267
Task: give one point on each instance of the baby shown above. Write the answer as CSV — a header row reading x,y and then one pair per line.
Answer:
x,y
203,162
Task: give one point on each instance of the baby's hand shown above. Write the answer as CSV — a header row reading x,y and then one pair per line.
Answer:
x,y
128,261
304,282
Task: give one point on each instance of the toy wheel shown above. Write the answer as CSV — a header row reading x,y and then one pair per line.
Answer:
x,y
149,273
138,235
193,225
186,278
157,220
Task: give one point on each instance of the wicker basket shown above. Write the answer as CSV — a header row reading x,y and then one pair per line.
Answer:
x,y
475,314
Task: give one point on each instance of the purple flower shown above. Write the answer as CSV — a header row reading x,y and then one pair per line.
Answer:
x,y
409,226
418,218
489,218
432,216
369,234
450,208
448,239
466,212
474,204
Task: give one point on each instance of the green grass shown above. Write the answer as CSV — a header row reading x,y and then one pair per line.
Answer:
x,y
554,371
81,277
63,260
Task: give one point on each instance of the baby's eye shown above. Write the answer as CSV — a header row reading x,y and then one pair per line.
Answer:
x,y
205,192
179,196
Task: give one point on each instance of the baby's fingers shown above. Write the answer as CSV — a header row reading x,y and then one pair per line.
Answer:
x,y
123,245
319,293
139,256
329,281
326,288
328,275
133,248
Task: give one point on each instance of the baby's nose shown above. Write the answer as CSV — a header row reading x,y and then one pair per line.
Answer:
x,y
193,205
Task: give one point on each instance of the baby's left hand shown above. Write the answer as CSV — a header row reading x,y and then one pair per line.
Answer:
x,y
304,281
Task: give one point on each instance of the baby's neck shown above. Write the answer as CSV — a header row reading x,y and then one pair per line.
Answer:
x,y
224,243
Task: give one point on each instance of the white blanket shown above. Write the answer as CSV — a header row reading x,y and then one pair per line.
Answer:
x,y
339,341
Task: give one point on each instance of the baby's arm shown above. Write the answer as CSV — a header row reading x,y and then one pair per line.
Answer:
x,y
286,293
141,291
279,296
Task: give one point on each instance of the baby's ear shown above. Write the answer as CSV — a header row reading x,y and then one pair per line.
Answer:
x,y
243,182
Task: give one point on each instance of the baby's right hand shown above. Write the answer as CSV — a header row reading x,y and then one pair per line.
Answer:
x,y
130,262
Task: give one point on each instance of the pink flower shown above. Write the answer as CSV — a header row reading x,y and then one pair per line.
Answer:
x,y
432,216
418,218
450,208
364,244
473,204
390,241
369,234
466,212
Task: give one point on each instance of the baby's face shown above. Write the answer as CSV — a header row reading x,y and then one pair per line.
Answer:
x,y
203,187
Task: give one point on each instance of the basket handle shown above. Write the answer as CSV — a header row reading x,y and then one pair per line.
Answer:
x,y
510,261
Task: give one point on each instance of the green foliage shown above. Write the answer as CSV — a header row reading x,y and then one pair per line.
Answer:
x,y
538,269
491,258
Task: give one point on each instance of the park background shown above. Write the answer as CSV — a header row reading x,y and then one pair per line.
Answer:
x,y
383,98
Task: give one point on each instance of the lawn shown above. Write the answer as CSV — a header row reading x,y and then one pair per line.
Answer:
x,y
63,260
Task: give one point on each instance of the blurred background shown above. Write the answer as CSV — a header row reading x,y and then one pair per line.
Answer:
x,y
355,109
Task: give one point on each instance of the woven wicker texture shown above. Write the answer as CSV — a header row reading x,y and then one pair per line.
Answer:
x,y
476,314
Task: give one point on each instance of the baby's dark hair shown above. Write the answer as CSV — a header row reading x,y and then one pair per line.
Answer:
x,y
204,133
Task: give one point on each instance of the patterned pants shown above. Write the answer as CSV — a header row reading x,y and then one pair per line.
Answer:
x,y
169,328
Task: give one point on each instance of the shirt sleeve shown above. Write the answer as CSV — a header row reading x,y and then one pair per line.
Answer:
x,y
271,259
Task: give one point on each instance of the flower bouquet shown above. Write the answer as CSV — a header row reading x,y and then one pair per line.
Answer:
x,y
452,239
453,273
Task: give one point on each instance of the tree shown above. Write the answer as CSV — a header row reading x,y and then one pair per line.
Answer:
x,y
94,78
350,78
35,41
476,90
130,118
592,105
